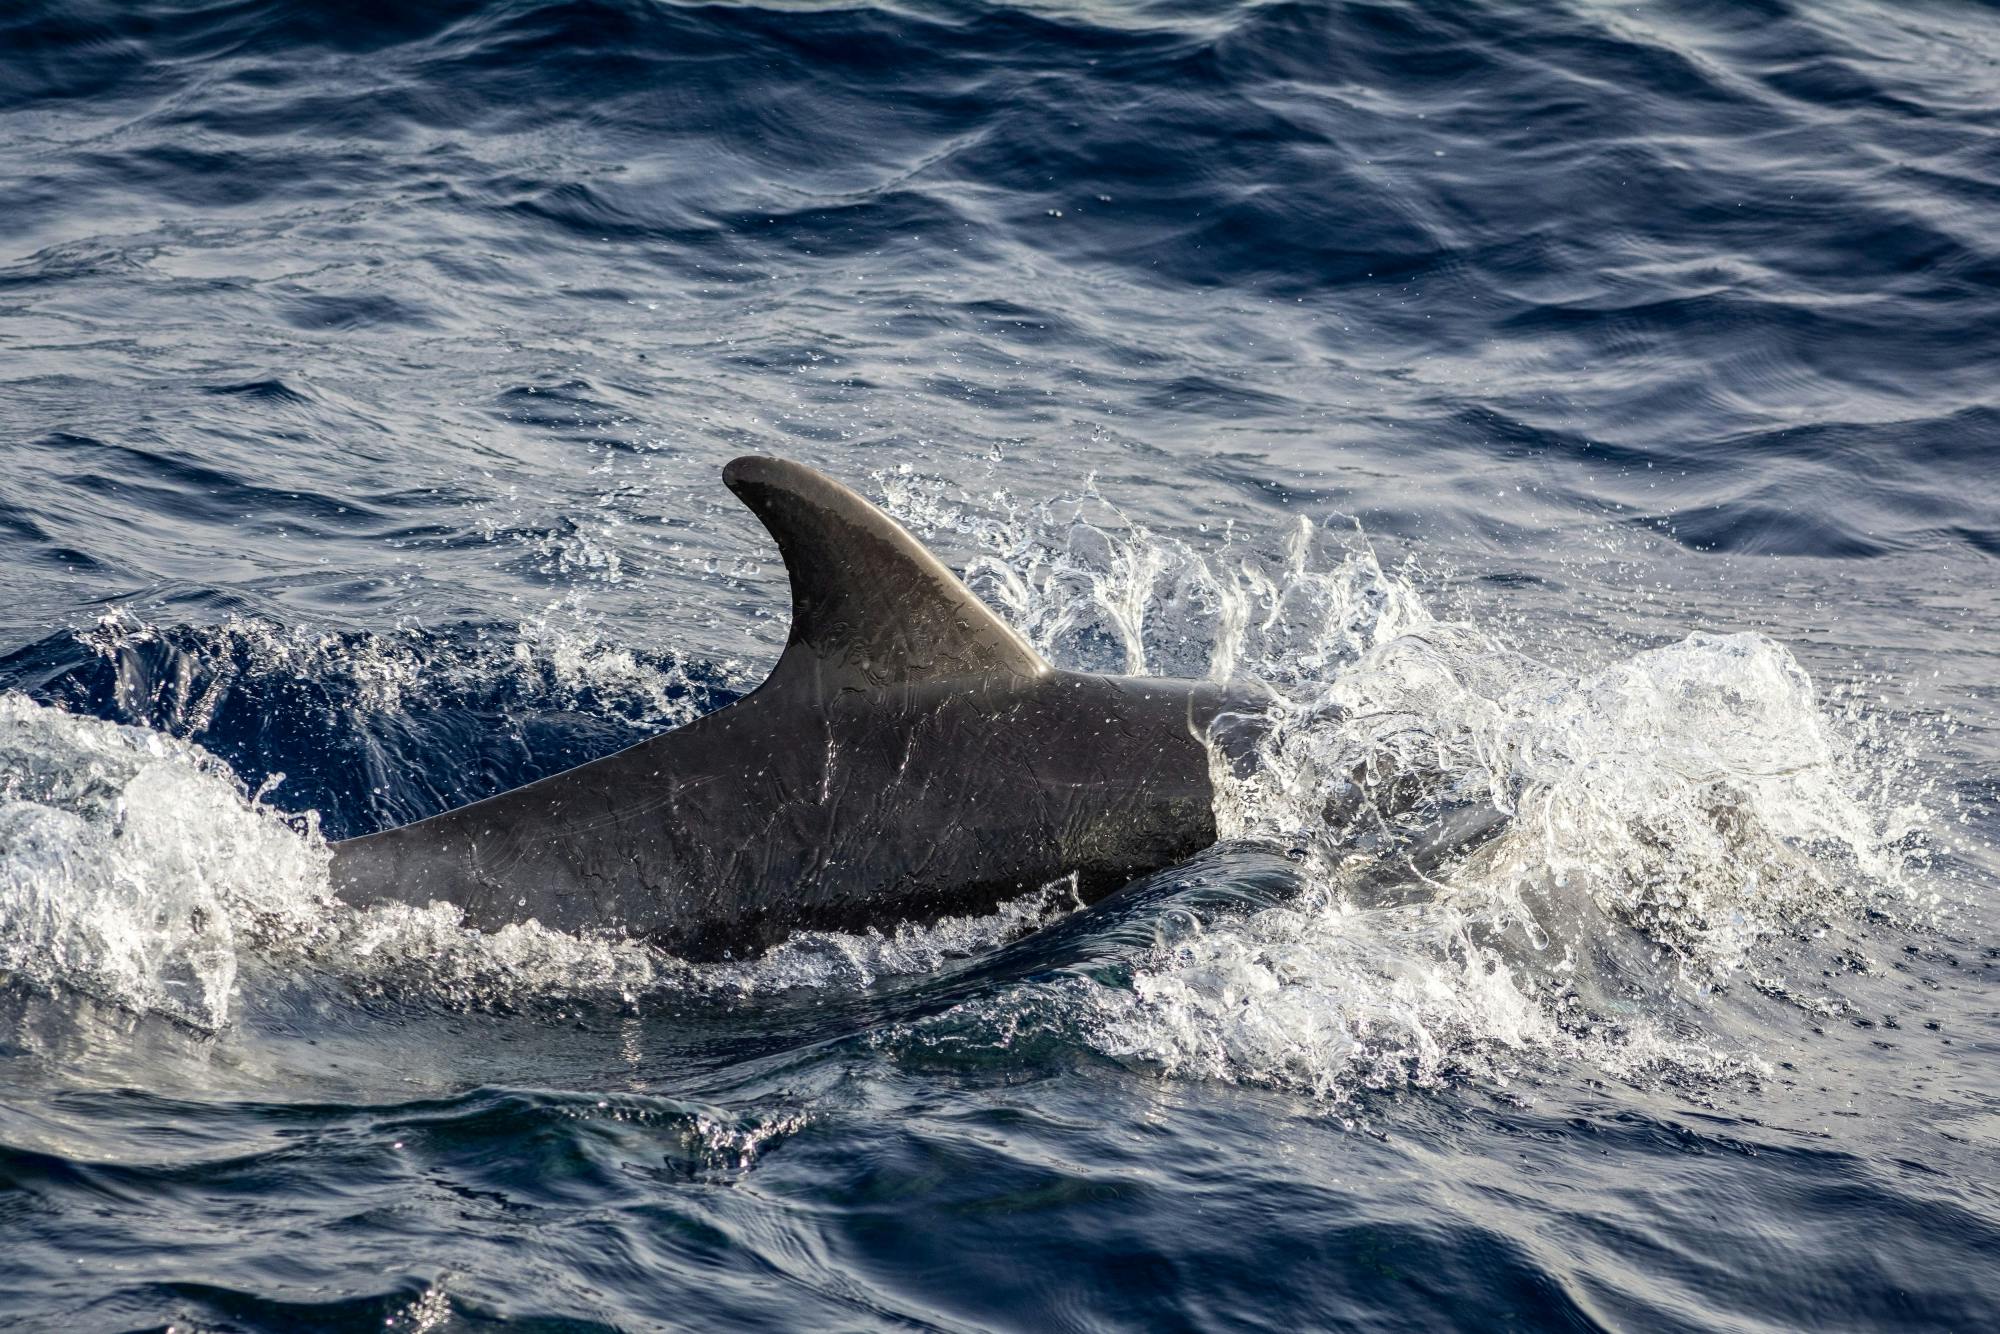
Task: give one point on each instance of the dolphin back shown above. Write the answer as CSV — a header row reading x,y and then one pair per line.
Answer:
x,y
909,757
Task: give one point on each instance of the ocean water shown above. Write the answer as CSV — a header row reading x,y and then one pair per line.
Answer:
x,y
1591,406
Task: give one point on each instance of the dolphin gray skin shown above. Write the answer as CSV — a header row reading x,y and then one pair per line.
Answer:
x,y
909,757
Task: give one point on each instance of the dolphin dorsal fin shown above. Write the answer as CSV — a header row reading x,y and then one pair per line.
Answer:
x,y
870,607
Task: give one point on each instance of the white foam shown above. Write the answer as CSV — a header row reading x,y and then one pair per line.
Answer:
x,y
847,960
133,867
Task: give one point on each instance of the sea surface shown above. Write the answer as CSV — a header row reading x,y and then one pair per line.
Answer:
x,y
1593,407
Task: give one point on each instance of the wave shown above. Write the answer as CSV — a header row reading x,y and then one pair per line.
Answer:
x,y
372,729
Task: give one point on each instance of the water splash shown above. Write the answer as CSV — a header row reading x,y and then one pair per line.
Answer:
x,y
1650,826
1665,816
1095,591
1669,817
178,678
133,866
429,953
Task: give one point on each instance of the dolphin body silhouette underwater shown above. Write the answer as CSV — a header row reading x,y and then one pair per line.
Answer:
x,y
909,757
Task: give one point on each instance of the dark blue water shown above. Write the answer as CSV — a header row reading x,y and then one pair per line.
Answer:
x,y
1597,402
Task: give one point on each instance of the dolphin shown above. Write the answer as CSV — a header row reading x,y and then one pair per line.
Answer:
x,y
910,757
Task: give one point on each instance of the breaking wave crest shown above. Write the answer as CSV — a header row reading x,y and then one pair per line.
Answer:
x,y
1625,837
